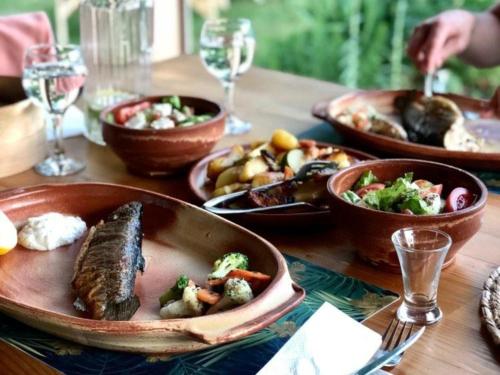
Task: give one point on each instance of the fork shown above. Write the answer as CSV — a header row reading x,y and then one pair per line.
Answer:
x,y
391,339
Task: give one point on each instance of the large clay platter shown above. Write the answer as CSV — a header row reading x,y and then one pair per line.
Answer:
x,y
178,239
203,191
383,102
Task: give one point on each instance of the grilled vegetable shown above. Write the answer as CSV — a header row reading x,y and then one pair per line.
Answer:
x,y
188,306
294,159
228,177
284,140
175,292
236,292
252,168
216,166
227,263
228,189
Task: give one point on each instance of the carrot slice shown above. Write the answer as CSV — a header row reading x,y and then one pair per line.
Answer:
x,y
217,282
248,275
207,296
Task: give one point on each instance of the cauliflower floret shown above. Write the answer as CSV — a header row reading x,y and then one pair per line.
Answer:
x,y
236,292
138,121
186,307
163,109
163,123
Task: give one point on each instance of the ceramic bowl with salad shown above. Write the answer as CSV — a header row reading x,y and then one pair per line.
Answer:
x,y
376,198
160,135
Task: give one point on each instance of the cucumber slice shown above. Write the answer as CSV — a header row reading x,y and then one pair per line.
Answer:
x,y
294,159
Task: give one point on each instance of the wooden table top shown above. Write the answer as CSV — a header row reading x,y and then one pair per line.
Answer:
x,y
270,100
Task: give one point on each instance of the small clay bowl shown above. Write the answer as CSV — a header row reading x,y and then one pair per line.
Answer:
x,y
370,230
153,152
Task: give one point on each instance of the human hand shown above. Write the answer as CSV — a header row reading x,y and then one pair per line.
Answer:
x,y
440,37
495,103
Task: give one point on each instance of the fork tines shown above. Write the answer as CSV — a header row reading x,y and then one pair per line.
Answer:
x,y
396,333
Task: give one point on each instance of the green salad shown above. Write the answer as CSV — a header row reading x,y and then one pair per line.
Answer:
x,y
406,195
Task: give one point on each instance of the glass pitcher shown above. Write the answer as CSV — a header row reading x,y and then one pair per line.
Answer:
x,y
116,38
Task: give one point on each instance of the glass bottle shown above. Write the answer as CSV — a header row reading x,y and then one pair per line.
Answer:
x,y
116,38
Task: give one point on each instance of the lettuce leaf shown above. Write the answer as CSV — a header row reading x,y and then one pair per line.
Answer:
x,y
366,179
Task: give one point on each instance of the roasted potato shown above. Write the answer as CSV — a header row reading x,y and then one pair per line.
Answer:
x,y
252,168
228,177
218,165
266,178
341,158
228,189
284,140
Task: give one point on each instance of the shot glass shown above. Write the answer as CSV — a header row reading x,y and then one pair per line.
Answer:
x,y
421,254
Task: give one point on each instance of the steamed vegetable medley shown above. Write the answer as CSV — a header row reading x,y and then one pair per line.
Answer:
x,y
230,284
267,162
419,197
168,113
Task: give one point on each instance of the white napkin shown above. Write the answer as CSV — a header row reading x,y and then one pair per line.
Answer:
x,y
330,342
73,124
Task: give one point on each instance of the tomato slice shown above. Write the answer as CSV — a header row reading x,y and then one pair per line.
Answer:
x,y
438,189
122,115
458,199
423,184
125,113
372,187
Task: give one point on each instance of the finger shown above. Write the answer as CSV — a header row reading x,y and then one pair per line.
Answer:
x,y
417,40
495,101
451,47
432,47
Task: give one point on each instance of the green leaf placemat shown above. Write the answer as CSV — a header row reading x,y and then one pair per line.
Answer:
x,y
354,297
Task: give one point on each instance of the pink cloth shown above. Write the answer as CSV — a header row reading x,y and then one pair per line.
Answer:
x,y
17,33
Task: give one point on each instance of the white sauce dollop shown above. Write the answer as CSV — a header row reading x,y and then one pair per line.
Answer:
x,y
51,230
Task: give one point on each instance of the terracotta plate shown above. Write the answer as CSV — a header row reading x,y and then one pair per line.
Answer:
x,y
178,239
199,186
383,102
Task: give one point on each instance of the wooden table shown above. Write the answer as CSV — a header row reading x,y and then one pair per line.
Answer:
x,y
272,100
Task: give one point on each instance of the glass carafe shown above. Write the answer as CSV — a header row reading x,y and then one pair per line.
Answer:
x,y
116,38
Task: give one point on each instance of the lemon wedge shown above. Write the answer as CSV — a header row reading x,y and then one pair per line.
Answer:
x,y
8,234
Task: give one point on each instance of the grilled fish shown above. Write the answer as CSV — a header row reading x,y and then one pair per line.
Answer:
x,y
426,120
106,266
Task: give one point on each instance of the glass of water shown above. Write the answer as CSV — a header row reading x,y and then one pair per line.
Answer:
x,y
53,78
421,254
226,48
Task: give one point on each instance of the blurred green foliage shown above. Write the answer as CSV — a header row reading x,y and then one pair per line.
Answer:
x,y
358,43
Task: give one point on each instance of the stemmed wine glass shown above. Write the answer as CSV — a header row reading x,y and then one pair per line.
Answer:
x,y
226,48
53,78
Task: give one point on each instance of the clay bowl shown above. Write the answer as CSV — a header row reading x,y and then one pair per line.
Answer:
x,y
274,220
178,239
383,101
154,152
370,230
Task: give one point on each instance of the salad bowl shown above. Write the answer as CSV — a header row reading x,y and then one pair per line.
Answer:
x,y
158,152
370,230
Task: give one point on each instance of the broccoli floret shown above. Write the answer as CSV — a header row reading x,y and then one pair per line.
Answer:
x,y
186,307
175,292
236,292
227,263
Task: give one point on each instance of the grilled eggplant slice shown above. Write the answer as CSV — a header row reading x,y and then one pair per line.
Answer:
x,y
106,266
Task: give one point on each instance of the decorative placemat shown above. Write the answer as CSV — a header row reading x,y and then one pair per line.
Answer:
x,y
356,298
490,305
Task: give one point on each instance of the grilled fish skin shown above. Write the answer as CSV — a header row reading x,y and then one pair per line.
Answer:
x,y
426,120
106,266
